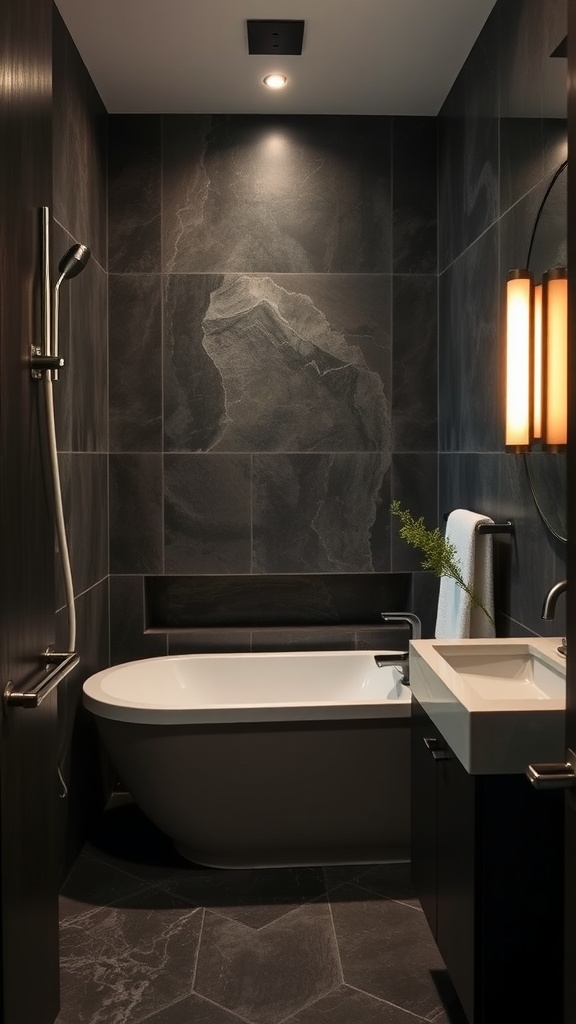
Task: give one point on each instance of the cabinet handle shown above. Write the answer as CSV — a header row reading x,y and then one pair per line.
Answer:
x,y
442,755
552,776
438,753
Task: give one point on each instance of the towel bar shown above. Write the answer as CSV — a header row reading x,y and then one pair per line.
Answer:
x,y
491,527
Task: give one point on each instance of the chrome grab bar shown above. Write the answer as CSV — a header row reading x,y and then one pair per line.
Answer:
x,y
31,698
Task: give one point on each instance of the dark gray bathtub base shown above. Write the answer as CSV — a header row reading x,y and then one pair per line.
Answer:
x,y
271,794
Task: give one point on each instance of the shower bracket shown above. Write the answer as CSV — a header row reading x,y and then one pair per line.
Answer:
x,y
40,363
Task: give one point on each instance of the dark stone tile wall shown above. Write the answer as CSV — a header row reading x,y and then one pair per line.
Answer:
x,y
272,344
502,134
81,406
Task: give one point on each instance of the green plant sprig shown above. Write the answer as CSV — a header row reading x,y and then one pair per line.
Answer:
x,y
440,555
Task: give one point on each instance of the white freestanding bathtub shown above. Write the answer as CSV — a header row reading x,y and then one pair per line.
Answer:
x,y
253,760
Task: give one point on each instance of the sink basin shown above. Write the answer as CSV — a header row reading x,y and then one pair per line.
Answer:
x,y
498,703
507,673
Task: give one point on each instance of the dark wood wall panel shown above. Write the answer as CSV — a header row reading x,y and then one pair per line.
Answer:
x,y
28,778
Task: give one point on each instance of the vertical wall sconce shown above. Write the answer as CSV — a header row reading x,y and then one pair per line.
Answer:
x,y
519,359
536,360
555,349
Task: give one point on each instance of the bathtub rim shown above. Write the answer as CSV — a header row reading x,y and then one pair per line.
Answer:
x,y
105,706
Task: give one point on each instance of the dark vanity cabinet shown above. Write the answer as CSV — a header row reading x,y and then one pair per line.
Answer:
x,y
487,865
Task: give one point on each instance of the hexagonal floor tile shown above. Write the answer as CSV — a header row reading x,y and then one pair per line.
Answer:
x,y
265,976
122,963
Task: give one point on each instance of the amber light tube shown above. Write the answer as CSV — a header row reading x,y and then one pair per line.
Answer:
x,y
538,363
555,345
519,359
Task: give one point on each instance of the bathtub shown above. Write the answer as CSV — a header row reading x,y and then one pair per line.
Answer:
x,y
263,760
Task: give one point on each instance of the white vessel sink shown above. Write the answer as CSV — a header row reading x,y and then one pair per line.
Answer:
x,y
498,703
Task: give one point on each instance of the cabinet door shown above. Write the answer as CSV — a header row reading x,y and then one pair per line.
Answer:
x,y
423,800
457,926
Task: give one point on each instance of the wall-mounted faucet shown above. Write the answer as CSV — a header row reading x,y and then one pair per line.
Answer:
x,y
401,657
549,606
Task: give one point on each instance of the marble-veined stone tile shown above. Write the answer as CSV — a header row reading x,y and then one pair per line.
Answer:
x,y
415,486
210,641
194,1010
135,362
134,203
470,352
253,897
194,398
257,193
79,146
531,84
84,480
262,363
265,976
321,513
387,950
468,123
322,600
390,880
92,884
136,513
425,589
414,159
207,513
128,641
88,363
345,1005
129,962
415,359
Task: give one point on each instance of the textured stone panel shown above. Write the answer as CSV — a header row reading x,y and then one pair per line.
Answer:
x,y
321,513
253,897
207,513
347,1006
265,976
134,201
136,542
124,963
276,194
386,949
255,364
135,363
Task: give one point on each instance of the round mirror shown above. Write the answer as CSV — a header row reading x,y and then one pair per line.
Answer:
x,y
548,249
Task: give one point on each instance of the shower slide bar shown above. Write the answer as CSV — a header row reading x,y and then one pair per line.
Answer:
x,y
45,362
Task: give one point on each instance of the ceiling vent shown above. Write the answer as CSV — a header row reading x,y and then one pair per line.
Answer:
x,y
275,37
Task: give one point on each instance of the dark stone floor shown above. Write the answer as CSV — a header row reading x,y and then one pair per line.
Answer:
x,y
145,936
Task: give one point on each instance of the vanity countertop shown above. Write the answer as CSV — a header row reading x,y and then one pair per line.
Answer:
x,y
499,703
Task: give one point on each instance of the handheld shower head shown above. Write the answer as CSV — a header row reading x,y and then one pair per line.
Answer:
x,y
73,261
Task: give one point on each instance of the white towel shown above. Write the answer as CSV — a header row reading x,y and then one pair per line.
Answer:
x,y
456,617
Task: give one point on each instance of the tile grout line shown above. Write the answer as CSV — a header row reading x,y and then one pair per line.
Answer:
x,y
195,970
336,943
386,1002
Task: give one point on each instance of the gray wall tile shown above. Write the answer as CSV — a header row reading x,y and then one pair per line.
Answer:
x,y
134,175
135,363
207,504
257,193
136,544
321,513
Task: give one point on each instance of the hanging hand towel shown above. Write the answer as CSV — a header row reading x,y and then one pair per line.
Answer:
x,y
456,617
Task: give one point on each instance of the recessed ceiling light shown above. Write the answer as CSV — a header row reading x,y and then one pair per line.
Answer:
x,y
275,81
